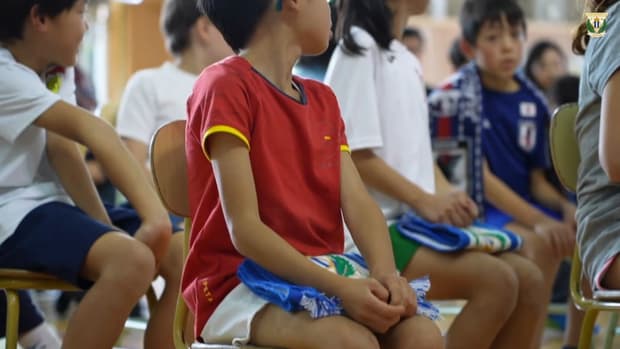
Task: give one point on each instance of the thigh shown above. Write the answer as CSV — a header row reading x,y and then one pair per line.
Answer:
x,y
54,238
459,275
274,327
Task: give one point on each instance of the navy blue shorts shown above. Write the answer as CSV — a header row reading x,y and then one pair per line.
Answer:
x,y
55,238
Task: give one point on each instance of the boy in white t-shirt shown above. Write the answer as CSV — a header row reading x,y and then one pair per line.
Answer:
x,y
53,220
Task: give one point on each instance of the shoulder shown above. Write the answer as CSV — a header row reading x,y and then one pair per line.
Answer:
x,y
318,91
231,72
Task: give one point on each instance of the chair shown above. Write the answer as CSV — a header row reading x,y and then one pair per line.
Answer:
x,y
14,280
565,156
169,167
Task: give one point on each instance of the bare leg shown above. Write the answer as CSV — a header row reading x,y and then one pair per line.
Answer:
x,y
416,332
538,251
518,331
273,327
573,326
158,333
488,284
122,269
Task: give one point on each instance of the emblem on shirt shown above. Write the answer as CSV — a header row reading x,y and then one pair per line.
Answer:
x,y
596,24
53,78
527,135
528,109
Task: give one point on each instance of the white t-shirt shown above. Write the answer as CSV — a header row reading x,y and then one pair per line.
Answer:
x,y
152,98
27,179
383,103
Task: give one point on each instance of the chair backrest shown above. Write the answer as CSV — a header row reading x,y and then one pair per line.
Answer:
x,y
563,143
169,167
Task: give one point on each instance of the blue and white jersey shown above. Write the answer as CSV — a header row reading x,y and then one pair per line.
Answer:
x,y
514,136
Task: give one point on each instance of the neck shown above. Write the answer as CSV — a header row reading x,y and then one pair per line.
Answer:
x,y
194,61
27,56
400,18
273,59
498,83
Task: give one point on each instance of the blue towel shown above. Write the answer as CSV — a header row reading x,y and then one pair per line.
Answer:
x,y
293,298
447,238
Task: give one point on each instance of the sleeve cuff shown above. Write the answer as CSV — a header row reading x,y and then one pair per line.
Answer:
x,y
225,129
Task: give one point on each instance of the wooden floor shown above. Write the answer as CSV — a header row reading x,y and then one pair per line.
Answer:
x,y
132,337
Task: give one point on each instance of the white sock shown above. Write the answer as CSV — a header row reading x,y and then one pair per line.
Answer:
x,y
41,337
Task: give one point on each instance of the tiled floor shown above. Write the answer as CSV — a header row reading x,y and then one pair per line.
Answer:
x,y
132,337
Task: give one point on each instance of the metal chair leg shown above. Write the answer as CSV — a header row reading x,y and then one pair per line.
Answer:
x,y
585,339
12,319
611,331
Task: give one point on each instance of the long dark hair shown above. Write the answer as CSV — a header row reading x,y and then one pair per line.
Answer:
x,y
581,39
536,53
374,16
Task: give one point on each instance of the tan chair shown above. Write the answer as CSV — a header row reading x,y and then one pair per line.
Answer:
x,y
14,280
169,167
565,156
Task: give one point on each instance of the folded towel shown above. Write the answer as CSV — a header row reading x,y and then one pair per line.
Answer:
x,y
447,238
293,298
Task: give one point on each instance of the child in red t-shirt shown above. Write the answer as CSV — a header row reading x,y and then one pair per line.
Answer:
x,y
271,178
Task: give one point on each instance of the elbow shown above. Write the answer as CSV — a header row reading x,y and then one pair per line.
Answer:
x,y
240,236
611,166
613,171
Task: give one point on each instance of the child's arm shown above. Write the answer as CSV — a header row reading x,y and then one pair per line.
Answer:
x,y
255,240
609,143
140,152
66,158
547,195
80,126
560,236
368,229
443,208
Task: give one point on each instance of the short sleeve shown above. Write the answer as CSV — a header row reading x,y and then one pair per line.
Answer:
x,y
23,98
351,77
220,103
604,53
137,111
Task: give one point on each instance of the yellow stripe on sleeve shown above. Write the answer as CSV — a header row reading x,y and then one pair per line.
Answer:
x,y
345,148
225,129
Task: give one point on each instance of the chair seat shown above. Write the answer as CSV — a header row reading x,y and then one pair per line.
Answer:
x,y
24,279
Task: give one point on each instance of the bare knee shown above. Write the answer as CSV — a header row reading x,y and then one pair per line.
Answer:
x,y
499,285
531,282
172,264
346,334
126,264
414,333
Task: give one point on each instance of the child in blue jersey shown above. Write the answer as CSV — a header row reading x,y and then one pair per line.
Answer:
x,y
499,118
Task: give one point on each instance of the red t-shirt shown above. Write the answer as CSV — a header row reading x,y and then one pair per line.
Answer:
x,y
294,149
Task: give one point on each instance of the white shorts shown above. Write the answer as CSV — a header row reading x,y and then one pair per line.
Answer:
x,y
231,322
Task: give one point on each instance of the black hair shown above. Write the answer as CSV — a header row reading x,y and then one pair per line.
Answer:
x,y
565,89
235,19
536,53
177,19
13,15
374,16
412,32
475,13
456,55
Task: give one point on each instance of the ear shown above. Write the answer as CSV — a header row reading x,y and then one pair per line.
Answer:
x,y
468,49
201,28
291,4
36,20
